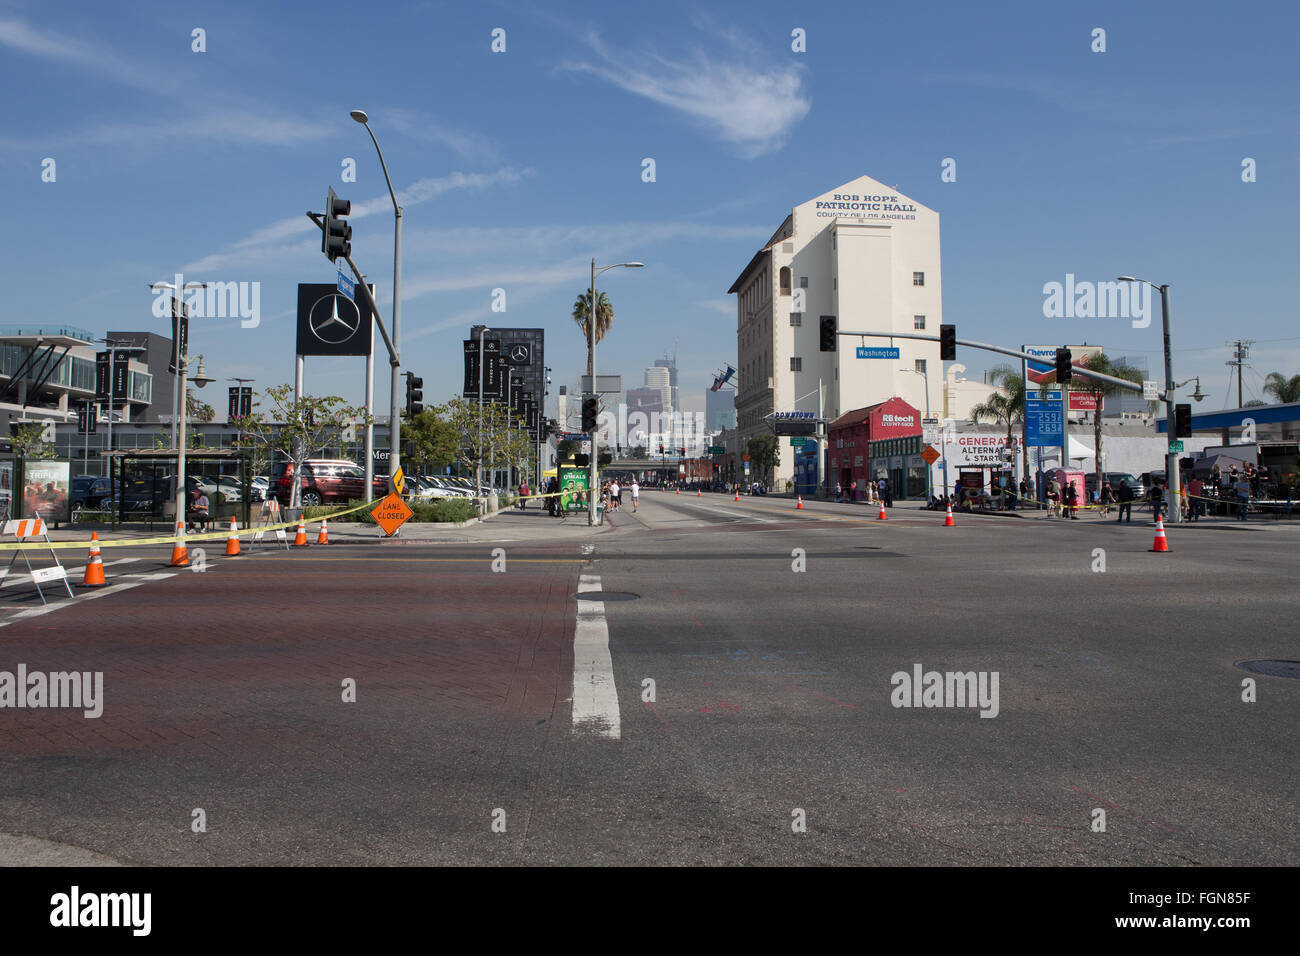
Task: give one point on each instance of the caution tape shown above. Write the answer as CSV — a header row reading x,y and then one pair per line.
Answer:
x,y
171,538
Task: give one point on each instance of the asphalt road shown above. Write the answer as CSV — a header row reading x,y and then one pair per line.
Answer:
x,y
492,696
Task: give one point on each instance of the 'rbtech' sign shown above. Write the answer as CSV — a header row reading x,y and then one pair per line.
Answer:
x,y
894,419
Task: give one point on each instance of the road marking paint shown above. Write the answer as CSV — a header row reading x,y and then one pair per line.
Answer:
x,y
595,698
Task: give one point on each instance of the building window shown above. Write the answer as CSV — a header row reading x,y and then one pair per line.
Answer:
x,y
796,364
918,321
803,282
785,280
796,318
918,278
920,366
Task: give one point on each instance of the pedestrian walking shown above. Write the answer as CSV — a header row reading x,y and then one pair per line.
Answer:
x,y
1156,498
523,494
1125,510
1243,497
1196,505
839,491
853,491
615,494
1053,498
636,494
1107,498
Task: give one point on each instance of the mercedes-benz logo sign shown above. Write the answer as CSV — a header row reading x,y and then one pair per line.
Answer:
x,y
519,354
334,319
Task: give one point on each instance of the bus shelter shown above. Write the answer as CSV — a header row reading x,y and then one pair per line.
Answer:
x,y
144,485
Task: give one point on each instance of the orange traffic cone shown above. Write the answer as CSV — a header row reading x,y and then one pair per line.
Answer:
x,y
1162,543
699,493
737,494
799,503
947,522
882,516
300,541
180,557
232,542
679,491
94,577
324,536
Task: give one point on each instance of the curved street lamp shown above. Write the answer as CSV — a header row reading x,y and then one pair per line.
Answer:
x,y
395,415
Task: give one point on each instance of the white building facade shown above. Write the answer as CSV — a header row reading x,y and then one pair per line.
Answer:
x,y
868,257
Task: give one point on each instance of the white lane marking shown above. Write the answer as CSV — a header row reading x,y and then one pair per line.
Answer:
x,y
595,698
38,611
588,548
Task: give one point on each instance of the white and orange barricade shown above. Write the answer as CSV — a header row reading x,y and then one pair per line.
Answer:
x,y
24,529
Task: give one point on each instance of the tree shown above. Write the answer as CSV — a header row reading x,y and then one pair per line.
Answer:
x,y
1099,389
764,455
1285,390
198,411
434,437
503,438
639,452
28,442
298,428
1007,405
604,319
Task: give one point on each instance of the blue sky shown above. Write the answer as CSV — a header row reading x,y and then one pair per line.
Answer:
x,y
515,168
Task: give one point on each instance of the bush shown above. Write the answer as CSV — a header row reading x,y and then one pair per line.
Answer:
x,y
446,510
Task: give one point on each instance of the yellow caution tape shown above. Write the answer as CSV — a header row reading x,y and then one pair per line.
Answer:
x,y
172,538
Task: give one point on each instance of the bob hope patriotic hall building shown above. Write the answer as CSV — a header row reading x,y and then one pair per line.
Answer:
x,y
860,257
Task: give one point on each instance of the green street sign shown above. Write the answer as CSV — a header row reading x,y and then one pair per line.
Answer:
x,y
1176,447
798,441
717,449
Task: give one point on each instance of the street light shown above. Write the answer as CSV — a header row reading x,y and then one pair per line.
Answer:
x,y
924,371
113,348
591,346
395,417
1172,479
178,295
478,458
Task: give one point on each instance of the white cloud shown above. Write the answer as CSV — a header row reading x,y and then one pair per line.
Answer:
x,y
469,147
48,45
273,241
753,107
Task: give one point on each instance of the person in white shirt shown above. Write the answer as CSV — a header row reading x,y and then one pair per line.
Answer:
x,y
636,493
613,494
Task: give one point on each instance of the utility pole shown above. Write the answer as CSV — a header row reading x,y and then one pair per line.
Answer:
x,y
1241,350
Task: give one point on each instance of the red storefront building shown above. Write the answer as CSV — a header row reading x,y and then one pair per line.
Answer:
x,y
879,441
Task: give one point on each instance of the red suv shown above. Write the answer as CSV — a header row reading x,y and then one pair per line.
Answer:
x,y
327,480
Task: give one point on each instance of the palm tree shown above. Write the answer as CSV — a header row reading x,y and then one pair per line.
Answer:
x,y
604,319
1007,405
1285,390
1099,389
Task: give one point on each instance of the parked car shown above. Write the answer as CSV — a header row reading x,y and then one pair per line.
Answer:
x,y
326,480
89,490
1115,479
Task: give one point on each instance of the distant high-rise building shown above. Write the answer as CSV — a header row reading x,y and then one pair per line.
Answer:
x,y
659,377
671,365
719,409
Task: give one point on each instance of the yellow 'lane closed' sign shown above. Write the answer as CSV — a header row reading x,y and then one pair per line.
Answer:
x,y
399,481
391,513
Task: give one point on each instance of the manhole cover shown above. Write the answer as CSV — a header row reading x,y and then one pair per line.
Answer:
x,y
1272,668
606,596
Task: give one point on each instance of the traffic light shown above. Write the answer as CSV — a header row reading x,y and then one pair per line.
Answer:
x,y
1064,370
661,449
1182,421
947,343
828,333
414,395
681,453
590,411
336,239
